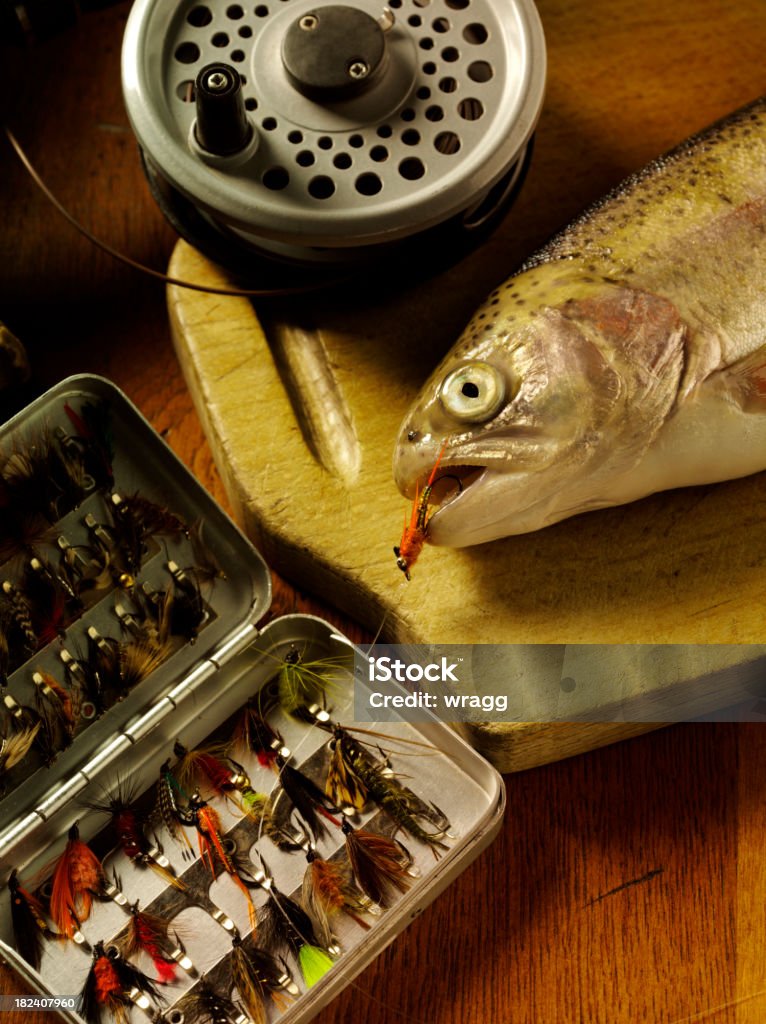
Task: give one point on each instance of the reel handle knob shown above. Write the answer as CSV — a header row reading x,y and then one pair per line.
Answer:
x,y
222,126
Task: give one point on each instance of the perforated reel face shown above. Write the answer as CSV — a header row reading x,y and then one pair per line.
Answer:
x,y
444,118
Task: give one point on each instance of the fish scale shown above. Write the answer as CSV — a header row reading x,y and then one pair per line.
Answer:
x,y
629,350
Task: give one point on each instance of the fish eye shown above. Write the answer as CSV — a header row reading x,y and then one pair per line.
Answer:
x,y
473,393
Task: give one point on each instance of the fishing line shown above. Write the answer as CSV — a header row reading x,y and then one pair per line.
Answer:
x,y
702,1015
136,265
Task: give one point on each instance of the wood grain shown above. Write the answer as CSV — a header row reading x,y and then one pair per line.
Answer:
x,y
628,884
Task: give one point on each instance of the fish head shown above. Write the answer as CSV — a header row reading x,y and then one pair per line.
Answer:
x,y
536,411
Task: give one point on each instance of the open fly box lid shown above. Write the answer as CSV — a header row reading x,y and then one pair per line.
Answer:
x,y
191,573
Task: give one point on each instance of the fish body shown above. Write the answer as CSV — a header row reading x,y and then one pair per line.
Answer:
x,y
627,357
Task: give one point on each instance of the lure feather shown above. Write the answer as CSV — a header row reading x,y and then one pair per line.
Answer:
x,y
270,973
19,611
404,808
24,719
208,825
284,925
77,878
314,963
194,763
167,806
205,568
28,920
81,674
343,786
86,574
301,683
328,891
283,837
109,985
149,933
227,780
105,663
147,518
58,707
38,480
15,747
255,735
187,609
307,798
128,825
257,805
138,658
50,603
248,984
94,431
128,535
379,864
206,1006
21,529
15,646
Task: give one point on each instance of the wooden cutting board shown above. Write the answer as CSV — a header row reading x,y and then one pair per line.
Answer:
x,y
302,401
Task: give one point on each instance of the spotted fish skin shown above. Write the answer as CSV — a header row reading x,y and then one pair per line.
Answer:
x,y
631,351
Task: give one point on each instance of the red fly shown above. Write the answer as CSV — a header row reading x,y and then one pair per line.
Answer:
x,y
415,534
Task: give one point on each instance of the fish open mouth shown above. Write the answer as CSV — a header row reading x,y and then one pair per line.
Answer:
x,y
451,482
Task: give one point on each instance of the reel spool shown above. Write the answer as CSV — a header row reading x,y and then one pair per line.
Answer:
x,y
312,136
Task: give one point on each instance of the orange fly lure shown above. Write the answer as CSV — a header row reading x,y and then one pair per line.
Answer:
x,y
211,847
415,533
77,879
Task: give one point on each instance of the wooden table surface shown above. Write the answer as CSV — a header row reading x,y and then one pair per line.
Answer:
x,y
628,884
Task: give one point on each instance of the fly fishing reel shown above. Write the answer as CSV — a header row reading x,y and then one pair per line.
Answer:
x,y
326,135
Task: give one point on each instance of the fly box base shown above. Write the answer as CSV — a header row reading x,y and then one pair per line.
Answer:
x,y
221,858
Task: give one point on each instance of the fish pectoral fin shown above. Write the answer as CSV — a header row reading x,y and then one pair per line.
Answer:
x,y
744,382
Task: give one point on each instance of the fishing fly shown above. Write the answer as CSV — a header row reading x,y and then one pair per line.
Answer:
x,y
356,776
302,682
150,933
58,708
415,533
380,864
328,890
285,926
229,781
212,847
129,826
28,920
254,734
256,974
308,800
78,879
114,984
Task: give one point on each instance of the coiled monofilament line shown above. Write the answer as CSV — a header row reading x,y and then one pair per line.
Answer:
x,y
157,274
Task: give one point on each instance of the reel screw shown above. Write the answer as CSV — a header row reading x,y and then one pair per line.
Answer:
x,y
216,81
386,19
358,70
309,22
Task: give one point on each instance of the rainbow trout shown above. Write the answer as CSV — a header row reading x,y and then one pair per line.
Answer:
x,y
627,357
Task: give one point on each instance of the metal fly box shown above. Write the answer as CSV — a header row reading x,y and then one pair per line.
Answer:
x,y
190,828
